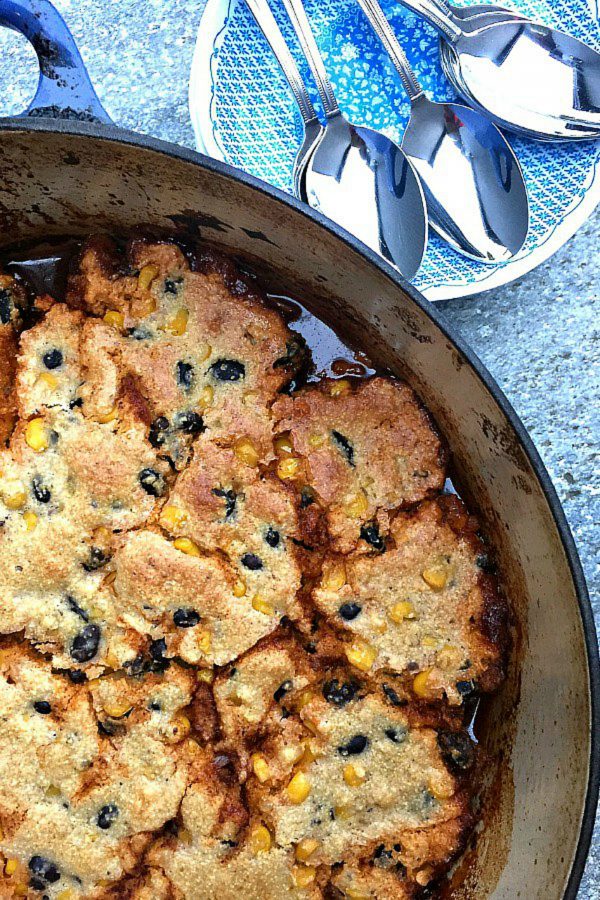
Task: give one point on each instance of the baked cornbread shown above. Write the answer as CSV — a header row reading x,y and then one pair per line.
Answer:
x,y
241,624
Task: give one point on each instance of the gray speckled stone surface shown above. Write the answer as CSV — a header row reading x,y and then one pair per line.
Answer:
x,y
540,337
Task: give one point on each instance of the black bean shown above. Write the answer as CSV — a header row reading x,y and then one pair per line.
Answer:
x,y
78,401
158,431
230,500
282,690
42,707
139,334
186,618
77,676
97,558
357,744
457,750
107,815
85,644
158,649
486,564
392,696
185,374
228,370
349,611
344,445
37,884
40,491
252,562
466,688
295,351
189,423
306,497
45,870
370,534
53,359
152,482
396,735
155,706
272,537
339,694
76,608
171,285
5,306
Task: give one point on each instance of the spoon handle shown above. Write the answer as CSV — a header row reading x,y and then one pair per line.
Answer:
x,y
383,30
265,19
442,20
299,20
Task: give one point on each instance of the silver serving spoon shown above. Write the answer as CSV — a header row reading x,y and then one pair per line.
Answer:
x,y
529,78
474,187
313,130
360,178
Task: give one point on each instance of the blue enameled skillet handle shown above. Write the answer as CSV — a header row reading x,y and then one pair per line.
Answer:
x,y
64,89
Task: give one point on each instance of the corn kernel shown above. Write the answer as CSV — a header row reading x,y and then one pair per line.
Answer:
x,y
203,352
260,767
335,576
116,709
299,788
246,451
186,546
420,683
205,398
260,839
306,697
49,380
20,890
239,588
147,276
284,445
361,654
52,792
354,776
262,606
401,611
206,675
173,517
115,319
204,641
11,866
357,893
316,440
436,577
441,789
357,506
178,324
16,500
67,894
306,848
109,416
249,398
30,520
429,641
343,811
339,387
36,435
303,875
288,468
181,727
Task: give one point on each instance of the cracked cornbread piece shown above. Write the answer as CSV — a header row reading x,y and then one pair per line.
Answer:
x,y
424,606
189,599
12,302
362,451
219,503
219,854
203,348
79,799
366,775
66,484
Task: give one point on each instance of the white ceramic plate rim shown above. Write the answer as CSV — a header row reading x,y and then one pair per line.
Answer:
x,y
204,66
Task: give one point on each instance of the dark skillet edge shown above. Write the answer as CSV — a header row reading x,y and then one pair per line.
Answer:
x,y
114,133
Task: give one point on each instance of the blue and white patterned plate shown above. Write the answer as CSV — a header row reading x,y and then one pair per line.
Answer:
x,y
243,113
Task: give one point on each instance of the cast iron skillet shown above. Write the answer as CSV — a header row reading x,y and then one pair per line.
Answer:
x,y
65,169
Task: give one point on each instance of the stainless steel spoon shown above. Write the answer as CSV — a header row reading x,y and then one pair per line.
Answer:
x,y
527,77
479,15
313,130
475,192
360,178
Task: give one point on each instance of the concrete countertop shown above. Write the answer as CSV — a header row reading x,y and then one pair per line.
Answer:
x,y
540,336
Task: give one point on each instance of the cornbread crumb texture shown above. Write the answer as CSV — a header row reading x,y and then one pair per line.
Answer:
x,y
423,606
88,772
196,342
12,302
362,774
365,450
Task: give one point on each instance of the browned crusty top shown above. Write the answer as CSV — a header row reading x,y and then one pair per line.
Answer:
x,y
238,626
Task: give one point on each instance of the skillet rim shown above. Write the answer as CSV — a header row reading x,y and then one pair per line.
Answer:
x,y
113,133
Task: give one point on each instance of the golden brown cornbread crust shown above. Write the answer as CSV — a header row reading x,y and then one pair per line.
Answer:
x,y
211,682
